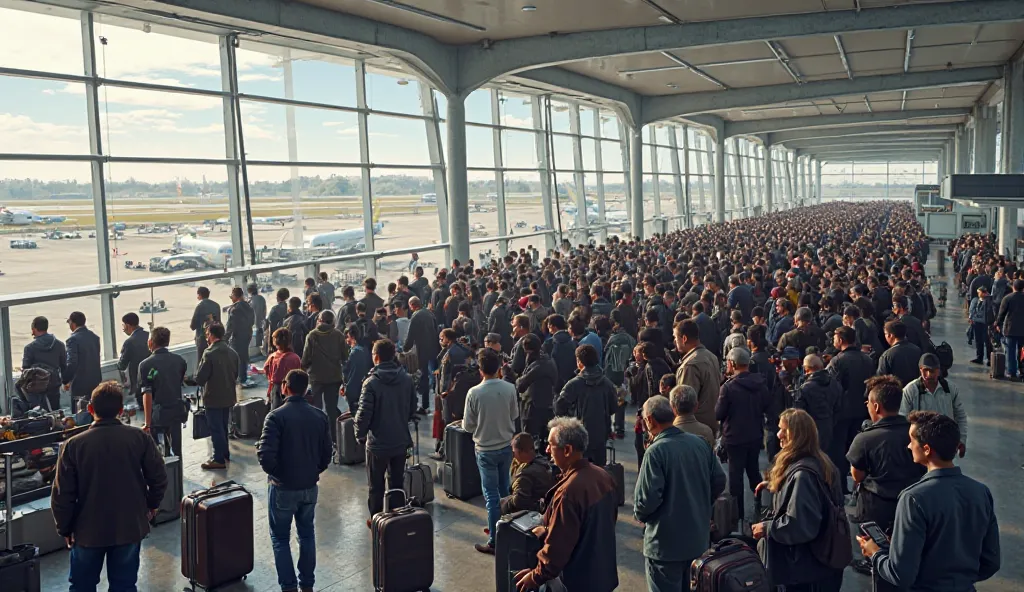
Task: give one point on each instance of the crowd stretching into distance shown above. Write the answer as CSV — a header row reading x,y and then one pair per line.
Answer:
x,y
803,334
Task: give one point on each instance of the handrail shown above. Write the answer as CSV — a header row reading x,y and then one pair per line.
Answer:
x,y
506,237
17,299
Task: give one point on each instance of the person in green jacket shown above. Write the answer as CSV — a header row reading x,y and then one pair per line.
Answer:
x,y
675,490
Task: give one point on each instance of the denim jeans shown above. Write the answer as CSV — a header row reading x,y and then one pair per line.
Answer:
x,y
282,506
494,468
122,567
1012,348
218,420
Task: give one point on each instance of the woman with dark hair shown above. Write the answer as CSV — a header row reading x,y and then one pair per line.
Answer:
x,y
804,485
278,364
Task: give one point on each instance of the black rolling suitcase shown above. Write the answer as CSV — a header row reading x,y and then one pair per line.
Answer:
x,y
403,548
729,565
247,417
460,476
418,481
348,450
997,365
515,547
618,474
19,567
217,545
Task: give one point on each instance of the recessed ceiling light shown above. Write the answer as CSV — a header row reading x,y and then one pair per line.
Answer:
x,y
402,82
529,8
672,85
665,19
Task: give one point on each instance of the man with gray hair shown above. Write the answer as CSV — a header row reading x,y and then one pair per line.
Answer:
x,y
742,403
805,334
578,534
679,480
684,402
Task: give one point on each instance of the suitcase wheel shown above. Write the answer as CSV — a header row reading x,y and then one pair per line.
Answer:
x,y
450,496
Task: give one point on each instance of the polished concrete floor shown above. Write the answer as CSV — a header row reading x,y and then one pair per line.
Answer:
x,y
995,456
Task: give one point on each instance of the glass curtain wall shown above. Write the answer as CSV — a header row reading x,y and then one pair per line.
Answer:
x,y
874,181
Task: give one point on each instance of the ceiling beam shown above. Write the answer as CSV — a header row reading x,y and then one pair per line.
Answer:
x,y
858,130
567,79
896,142
687,66
832,154
740,128
663,107
842,56
479,63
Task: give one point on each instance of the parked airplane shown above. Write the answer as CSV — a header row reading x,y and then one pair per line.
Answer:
x,y
352,239
274,220
9,217
215,253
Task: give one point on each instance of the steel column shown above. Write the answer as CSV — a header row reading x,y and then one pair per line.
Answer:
x,y
655,178
364,157
719,172
687,191
602,233
436,154
984,139
677,180
581,233
769,179
499,175
636,181
1012,146
738,163
458,181
541,144
108,333
298,238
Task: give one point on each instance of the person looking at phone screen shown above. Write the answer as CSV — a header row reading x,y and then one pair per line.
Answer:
x,y
945,535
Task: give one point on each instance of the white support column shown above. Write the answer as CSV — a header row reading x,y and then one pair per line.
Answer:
x,y
1012,146
817,181
435,151
655,178
984,139
677,179
801,177
499,174
741,207
458,180
627,158
581,235
769,179
687,190
719,173
602,234
636,180
298,239
706,158
757,178
788,172
962,157
364,157
541,143
107,322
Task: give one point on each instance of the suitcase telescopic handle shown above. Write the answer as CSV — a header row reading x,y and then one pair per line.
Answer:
x,y
611,448
387,496
8,500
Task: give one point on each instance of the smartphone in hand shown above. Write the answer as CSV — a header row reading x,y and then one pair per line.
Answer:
x,y
873,531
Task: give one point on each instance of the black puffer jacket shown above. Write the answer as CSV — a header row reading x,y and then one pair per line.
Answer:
x,y
741,406
591,398
851,367
536,389
821,397
47,352
562,349
386,406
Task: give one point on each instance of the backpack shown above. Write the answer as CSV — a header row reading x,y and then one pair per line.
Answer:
x,y
36,380
944,352
617,355
832,545
367,331
297,329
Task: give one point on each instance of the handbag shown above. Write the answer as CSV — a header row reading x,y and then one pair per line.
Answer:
x,y
200,424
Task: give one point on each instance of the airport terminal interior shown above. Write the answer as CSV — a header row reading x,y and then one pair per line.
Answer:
x,y
148,147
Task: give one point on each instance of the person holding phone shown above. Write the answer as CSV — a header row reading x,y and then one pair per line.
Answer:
x,y
929,550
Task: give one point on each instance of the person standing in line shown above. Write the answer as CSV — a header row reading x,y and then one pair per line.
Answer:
x,y
423,336
109,482
370,297
82,372
386,406
592,398
326,291
679,480
946,535
206,313
160,378
238,333
490,414
294,448
278,365
47,352
931,392
259,311
295,323
900,360
684,402
981,314
851,368
133,351
278,313
322,358
1010,321
347,313
699,369
217,374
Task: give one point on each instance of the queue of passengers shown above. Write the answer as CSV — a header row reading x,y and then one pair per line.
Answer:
x,y
803,333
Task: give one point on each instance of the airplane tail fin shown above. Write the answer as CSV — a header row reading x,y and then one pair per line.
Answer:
x,y
376,212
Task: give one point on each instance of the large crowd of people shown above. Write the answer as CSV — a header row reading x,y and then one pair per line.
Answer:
x,y
803,334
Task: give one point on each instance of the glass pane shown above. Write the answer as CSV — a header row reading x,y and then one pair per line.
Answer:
x,y
519,149
480,146
611,155
50,42
589,150
316,77
516,110
524,208
559,117
609,125
395,140
41,117
563,158
321,135
150,123
393,92
130,50
586,121
478,106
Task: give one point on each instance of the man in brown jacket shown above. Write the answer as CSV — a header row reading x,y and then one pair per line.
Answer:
x,y
699,368
578,534
531,477
109,483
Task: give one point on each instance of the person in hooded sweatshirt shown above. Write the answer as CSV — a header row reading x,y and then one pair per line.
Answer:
x,y
742,403
47,352
821,397
591,397
536,388
322,359
561,348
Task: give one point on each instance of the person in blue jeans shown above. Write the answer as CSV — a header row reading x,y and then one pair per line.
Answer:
x,y
110,480
491,411
293,450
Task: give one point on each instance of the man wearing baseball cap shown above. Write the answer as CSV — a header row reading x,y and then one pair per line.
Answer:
x,y
931,392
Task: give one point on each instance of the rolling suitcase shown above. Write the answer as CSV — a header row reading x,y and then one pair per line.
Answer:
x,y
729,566
170,506
403,548
997,361
618,474
418,482
723,517
19,566
348,450
216,535
248,416
515,547
460,476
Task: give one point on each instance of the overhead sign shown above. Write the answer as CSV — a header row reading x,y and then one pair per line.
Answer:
x,y
973,222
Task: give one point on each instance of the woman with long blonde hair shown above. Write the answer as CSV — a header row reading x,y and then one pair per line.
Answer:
x,y
804,483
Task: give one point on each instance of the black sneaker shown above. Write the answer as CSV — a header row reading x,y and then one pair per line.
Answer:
x,y
976,361
483,548
422,411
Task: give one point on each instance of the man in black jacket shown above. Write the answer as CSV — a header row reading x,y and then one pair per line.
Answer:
x,y
821,397
82,370
915,331
1010,321
133,351
499,322
520,328
386,406
206,312
851,367
423,336
562,349
293,450
160,378
239,333
536,388
590,396
47,352
901,359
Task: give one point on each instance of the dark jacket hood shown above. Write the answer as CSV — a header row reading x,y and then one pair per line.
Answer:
x,y
389,373
821,377
592,376
44,342
748,381
561,337
324,328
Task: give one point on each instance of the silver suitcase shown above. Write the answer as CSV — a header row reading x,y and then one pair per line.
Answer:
x,y
419,479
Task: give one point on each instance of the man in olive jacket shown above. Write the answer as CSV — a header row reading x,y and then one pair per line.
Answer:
x,y
679,480
699,368
324,353
109,483
217,374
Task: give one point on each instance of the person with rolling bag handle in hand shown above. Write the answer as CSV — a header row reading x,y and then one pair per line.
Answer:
x,y
294,449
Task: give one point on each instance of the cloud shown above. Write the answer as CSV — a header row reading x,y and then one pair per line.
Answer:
x,y
258,78
49,91
348,131
30,136
144,98
335,123
513,121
